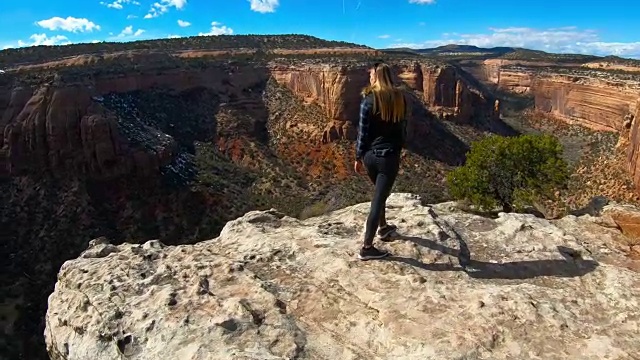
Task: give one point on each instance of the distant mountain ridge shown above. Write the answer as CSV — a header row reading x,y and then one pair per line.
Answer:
x,y
455,51
191,43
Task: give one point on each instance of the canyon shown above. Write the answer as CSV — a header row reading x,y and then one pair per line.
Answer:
x,y
64,125
172,140
136,146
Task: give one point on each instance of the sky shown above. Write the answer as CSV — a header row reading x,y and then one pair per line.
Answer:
x,y
567,26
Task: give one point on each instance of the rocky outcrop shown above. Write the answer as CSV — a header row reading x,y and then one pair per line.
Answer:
x,y
515,81
411,74
61,128
270,286
335,88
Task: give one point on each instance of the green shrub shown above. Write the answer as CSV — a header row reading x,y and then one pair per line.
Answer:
x,y
510,172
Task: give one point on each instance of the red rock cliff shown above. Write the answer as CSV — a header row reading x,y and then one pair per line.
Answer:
x,y
454,95
445,91
633,145
590,102
501,74
62,127
589,98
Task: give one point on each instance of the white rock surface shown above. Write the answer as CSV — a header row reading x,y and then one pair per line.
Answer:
x,y
273,287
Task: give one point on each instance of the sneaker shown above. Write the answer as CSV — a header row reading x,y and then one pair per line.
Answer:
x,y
385,232
372,253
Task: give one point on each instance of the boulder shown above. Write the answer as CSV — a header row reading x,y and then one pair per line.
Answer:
x,y
626,218
458,286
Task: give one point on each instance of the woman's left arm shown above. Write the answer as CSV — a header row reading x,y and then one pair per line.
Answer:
x,y
363,127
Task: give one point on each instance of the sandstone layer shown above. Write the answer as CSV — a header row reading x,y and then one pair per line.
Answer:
x,y
606,65
273,287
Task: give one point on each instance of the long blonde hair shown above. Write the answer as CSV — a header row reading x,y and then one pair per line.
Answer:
x,y
388,98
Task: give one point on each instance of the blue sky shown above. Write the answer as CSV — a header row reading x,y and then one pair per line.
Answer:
x,y
590,27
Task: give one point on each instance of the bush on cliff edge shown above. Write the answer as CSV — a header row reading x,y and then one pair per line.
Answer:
x,y
510,172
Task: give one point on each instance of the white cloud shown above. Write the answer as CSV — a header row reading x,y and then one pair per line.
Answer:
x,y
43,39
568,39
422,2
183,23
69,24
384,36
218,29
264,6
129,17
117,4
173,36
128,32
163,6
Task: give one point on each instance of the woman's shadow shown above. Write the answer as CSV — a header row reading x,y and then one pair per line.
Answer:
x,y
571,266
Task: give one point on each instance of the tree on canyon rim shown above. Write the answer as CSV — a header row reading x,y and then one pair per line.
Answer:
x,y
510,172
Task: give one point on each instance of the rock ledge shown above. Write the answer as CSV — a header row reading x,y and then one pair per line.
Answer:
x,y
273,287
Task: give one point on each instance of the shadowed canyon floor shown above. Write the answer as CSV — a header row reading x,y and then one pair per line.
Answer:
x,y
273,287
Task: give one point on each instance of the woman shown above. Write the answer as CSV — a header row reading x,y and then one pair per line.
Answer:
x,y
381,137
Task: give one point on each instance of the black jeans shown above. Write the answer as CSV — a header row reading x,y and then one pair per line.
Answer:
x,y
382,169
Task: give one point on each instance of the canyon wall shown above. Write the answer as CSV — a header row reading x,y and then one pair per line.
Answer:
x,y
515,81
596,104
598,100
497,73
62,125
633,146
337,89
